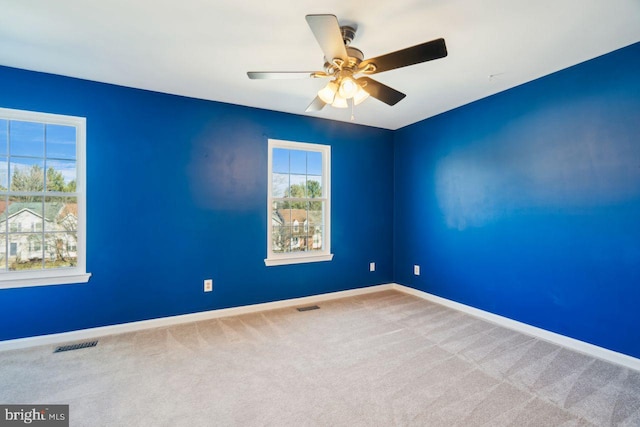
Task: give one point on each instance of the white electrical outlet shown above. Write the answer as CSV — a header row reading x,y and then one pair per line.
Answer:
x,y
208,285
416,270
372,266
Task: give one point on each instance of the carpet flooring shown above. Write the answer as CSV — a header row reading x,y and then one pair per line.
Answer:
x,y
380,359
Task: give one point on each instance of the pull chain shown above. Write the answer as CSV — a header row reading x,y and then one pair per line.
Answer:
x,y
352,108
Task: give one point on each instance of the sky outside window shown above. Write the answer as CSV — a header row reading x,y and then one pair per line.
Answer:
x,y
294,167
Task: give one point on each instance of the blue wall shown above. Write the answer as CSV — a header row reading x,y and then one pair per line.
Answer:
x,y
527,203
177,193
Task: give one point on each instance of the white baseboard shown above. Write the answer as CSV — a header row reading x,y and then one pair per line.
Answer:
x,y
84,334
564,341
91,333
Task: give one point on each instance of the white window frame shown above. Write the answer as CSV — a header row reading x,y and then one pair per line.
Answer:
x,y
274,259
66,275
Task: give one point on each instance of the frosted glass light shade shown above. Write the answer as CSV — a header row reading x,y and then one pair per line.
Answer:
x,y
339,102
360,96
348,88
328,93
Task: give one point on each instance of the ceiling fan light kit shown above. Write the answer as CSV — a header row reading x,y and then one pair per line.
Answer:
x,y
337,92
348,70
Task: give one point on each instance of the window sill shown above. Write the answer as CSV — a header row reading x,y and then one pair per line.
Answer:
x,y
269,262
9,283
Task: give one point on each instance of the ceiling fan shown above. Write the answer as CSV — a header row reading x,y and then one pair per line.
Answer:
x,y
348,70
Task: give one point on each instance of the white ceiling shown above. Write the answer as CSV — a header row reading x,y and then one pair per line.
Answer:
x,y
203,48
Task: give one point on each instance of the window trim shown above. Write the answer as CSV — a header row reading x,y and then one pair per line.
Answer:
x,y
77,274
274,259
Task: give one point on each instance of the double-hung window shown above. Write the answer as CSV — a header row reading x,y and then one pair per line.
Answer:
x,y
299,203
42,199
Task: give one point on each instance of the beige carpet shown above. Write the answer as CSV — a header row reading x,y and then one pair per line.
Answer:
x,y
382,359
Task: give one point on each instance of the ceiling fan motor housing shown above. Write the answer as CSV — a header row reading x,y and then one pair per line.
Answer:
x,y
355,54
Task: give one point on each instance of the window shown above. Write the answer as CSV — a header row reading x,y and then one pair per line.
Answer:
x,y
42,199
299,192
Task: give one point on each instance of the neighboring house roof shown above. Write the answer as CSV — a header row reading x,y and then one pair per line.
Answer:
x,y
289,216
52,210
276,218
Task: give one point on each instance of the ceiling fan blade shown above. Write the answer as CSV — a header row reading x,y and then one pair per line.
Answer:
x,y
316,105
273,75
327,32
413,55
382,92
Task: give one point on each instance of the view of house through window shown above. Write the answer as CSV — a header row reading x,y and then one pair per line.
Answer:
x,y
38,194
299,202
